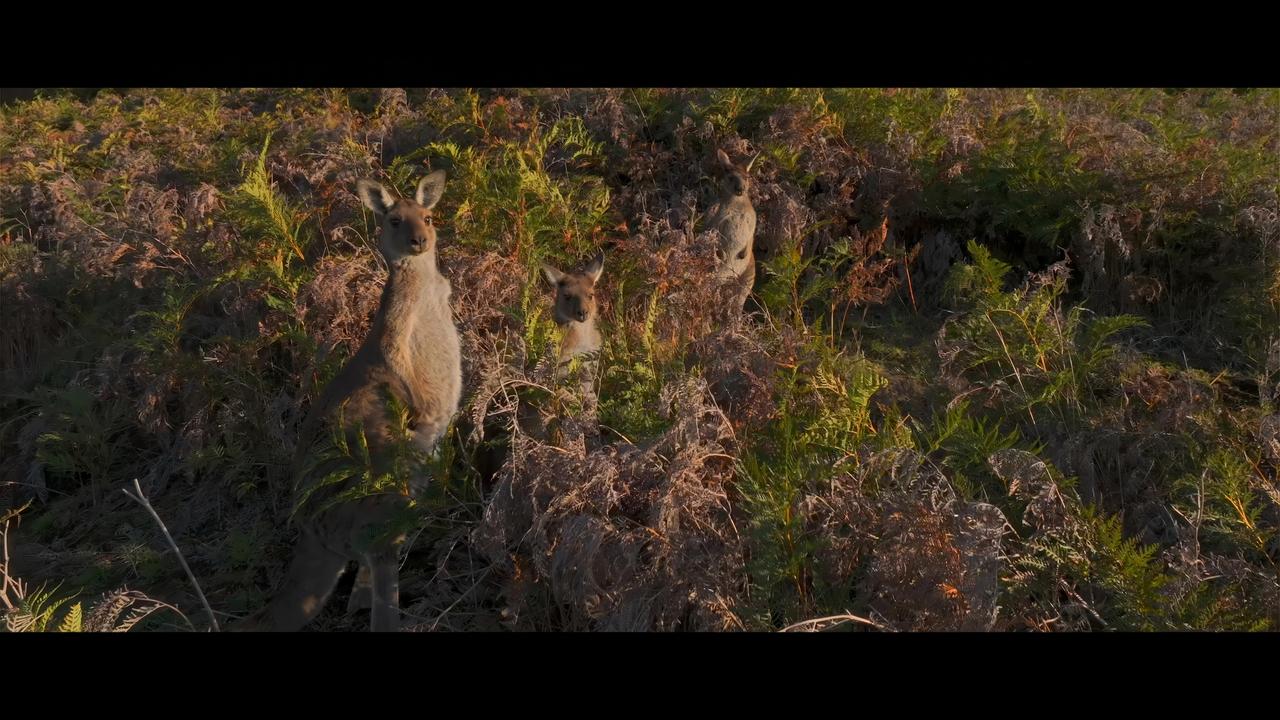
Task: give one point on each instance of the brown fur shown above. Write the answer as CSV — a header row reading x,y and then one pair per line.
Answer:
x,y
734,218
411,352
575,309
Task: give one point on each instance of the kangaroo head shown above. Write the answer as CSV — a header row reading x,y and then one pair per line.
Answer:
x,y
575,292
737,180
406,224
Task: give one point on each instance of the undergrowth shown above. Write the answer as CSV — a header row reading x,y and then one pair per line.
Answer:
x,y
1011,361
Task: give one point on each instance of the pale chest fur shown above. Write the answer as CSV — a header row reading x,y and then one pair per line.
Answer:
x,y
425,354
735,220
579,339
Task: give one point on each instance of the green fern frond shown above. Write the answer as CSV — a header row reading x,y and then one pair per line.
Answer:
x,y
73,620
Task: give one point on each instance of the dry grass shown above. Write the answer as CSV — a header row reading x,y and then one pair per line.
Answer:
x,y
181,271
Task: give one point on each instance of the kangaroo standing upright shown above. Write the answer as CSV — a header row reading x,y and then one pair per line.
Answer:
x,y
412,353
575,312
734,217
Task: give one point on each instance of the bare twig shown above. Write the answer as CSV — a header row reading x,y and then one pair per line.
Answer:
x,y
825,623
144,502
15,483
1081,602
6,581
454,604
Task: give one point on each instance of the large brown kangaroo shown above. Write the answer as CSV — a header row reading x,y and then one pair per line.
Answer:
x,y
412,353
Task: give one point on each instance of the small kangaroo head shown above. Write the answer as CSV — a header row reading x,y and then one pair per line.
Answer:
x,y
575,292
406,224
737,180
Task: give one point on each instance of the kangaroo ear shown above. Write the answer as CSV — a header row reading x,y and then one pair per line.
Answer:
x,y
375,197
553,275
723,157
430,188
596,268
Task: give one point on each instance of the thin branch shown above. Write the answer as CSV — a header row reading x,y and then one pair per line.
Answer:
x,y
144,502
5,581
833,620
1081,602
454,604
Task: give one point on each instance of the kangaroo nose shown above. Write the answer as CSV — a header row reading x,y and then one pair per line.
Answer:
x,y
582,316
418,242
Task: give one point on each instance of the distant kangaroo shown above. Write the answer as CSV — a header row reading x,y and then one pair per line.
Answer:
x,y
735,219
412,352
575,311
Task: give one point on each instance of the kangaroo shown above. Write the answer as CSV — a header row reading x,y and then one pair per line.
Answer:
x,y
575,311
734,218
413,353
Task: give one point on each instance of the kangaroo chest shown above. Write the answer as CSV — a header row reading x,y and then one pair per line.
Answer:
x,y
579,339
736,222
426,357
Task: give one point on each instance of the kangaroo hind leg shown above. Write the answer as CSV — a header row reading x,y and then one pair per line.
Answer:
x,y
362,590
312,575
384,614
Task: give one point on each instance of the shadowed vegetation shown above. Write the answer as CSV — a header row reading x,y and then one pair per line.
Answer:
x,y
1012,359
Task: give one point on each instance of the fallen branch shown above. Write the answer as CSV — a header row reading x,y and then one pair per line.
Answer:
x,y
6,582
144,502
817,624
